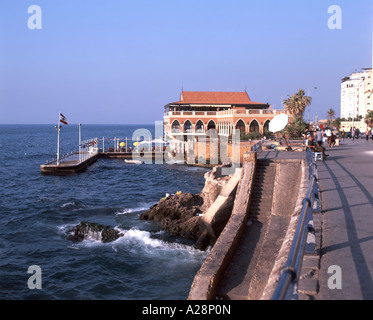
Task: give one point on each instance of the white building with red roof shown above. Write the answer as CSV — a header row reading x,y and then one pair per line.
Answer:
x,y
196,112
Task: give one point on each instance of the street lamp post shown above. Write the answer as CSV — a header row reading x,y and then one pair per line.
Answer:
x,y
309,90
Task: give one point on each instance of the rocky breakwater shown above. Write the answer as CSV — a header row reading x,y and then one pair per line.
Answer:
x,y
93,231
183,214
178,214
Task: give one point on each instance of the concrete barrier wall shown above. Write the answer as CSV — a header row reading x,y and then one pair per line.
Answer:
x,y
208,277
203,152
219,212
286,245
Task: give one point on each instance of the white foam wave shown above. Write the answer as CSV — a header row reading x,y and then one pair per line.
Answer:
x,y
141,207
143,239
134,240
68,204
63,229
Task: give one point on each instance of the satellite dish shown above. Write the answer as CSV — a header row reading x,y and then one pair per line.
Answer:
x,y
278,123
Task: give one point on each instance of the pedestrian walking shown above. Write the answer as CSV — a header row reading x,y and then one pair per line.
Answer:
x,y
328,133
367,132
343,134
318,136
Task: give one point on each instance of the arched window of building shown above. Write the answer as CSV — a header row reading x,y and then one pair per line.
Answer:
x,y
254,126
187,126
175,126
211,125
266,126
200,127
240,125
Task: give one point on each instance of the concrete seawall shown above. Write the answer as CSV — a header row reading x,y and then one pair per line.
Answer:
x,y
287,204
208,277
287,242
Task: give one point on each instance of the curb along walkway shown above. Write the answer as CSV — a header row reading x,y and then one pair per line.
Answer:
x,y
346,239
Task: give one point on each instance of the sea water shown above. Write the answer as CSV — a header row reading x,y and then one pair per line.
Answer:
x,y
37,212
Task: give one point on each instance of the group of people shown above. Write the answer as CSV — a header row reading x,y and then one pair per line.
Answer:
x,y
355,134
316,142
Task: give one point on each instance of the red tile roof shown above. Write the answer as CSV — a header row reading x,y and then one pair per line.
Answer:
x,y
198,97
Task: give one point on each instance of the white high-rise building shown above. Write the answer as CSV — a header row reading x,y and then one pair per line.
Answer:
x,y
353,97
357,98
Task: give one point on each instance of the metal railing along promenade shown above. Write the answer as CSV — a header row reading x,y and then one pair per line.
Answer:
x,y
257,147
290,272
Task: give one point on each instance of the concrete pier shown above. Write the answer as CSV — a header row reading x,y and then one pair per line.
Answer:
x,y
68,166
71,163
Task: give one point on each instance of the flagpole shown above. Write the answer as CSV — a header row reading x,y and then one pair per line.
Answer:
x,y
58,141
80,141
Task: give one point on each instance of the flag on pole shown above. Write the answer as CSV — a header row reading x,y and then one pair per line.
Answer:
x,y
63,119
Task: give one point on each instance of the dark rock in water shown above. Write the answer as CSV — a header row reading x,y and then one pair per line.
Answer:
x,y
178,214
95,231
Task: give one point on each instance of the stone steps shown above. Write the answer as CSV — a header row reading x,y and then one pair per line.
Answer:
x,y
249,270
263,188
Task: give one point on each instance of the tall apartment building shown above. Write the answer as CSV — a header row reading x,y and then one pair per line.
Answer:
x,y
356,98
353,95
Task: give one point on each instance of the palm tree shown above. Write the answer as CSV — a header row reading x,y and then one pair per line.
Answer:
x,y
297,103
331,116
369,119
337,123
296,128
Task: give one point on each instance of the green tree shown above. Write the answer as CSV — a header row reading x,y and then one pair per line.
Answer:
x,y
297,103
369,119
296,128
331,115
337,123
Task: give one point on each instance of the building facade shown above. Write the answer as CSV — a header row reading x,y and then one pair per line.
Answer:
x,y
197,112
353,95
356,99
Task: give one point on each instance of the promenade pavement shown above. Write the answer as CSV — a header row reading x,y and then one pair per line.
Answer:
x,y
346,191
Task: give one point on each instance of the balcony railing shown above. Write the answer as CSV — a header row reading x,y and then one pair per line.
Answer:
x,y
224,113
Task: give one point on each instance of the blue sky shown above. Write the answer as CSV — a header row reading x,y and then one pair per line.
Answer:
x,y
121,61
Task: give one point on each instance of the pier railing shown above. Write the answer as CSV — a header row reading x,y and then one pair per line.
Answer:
x,y
64,157
290,272
88,149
